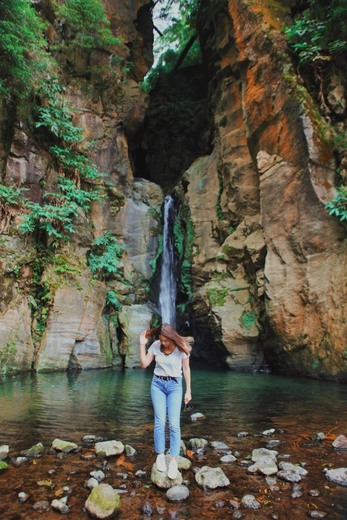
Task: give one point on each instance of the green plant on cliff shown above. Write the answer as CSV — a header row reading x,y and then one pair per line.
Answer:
x,y
248,319
86,25
7,354
319,32
23,56
338,206
104,257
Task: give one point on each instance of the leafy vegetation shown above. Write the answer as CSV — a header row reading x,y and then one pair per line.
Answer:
x,y
320,32
248,319
338,206
7,354
177,41
104,257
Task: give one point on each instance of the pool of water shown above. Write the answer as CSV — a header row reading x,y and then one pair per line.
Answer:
x,y
115,404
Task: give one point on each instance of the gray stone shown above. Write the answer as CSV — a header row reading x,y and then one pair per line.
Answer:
x,y
183,463
219,446
177,493
22,497
42,505
160,478
60,505
103,502
98,475
34,452
290,472
4,451
250,502
228,459
129,451
18,461
196,443
266,465
64,446
338,476
274,443
211,478
109,448
260,453
197,416
92,483
89,438
267,433
340,443
297,491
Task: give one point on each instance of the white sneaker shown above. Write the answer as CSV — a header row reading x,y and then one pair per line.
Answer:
x,y
161,464
173,469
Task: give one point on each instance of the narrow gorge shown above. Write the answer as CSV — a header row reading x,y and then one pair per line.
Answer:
x,y
244,150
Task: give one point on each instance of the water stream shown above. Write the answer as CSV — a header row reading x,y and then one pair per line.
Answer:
x,y
168,282
116,405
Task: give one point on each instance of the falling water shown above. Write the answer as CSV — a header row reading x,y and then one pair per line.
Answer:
x,y
168,284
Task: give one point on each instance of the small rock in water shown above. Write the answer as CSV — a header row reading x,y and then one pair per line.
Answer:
x,y
196,443
250,502
92,483
338,476
297,491
98,475
219,504
4,451
318,437
22,497
227,459
219,446
109,448
314,493
147,509
211,478
197,416
103,502
140,473
18,461
267,433
88,455
177,493
234,504
237,515
34,452
240,435
64,446
130,451
273,444
88,439
317,514
42,505
340,443
60,505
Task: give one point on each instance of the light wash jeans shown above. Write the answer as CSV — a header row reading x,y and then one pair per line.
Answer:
x,y
167,395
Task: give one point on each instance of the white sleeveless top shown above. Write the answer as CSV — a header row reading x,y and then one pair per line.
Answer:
x,y
170,365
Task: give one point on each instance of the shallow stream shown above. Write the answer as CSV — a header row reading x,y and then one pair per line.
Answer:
x,y
114,404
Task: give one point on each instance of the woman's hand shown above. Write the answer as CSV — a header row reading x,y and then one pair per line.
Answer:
x,y
143,337
187,397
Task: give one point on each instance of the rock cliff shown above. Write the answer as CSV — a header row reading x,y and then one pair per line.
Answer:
x,y
262,266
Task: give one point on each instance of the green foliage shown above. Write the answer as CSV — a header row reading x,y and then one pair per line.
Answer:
x,y
217,296
338,206
168,47
112,300
248,319
23,56
3,465
104,258
320,33
7,354
86,25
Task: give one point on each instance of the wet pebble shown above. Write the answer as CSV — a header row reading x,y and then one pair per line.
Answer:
x,y
314,493
197,417
219,504
177,493
98,475
92,483
147,510
237,514
274,443
4,451
317,514
22,497
89,455
60,505
250,502
140,473
42,505
227,459
18,461
340,443
240,435
297,491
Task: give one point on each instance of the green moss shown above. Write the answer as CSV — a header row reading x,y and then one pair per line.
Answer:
x,y
3,465
218,296
7,354
248,319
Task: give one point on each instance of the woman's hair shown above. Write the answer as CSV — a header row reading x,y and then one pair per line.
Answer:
x,y
183,343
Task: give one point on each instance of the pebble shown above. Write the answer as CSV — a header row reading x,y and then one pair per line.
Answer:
x,y
42,505
177,493
317,514
297,491
98,475
147,509
22,497
60,505
250,502
197,416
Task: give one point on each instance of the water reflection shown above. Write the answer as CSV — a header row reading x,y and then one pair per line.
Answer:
x,y
116,404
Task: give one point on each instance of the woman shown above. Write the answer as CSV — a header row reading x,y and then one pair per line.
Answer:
x,y
171,354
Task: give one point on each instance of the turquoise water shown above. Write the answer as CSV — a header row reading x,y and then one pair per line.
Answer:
x,y
116,404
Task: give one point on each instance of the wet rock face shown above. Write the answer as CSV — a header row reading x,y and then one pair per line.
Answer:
x,y
257,205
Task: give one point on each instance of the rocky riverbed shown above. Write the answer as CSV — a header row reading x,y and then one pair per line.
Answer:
x,y
267,474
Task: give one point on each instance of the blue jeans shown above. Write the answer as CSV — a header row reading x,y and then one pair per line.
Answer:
x,y
167,395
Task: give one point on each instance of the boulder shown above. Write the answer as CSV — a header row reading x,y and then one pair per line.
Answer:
x,y
103,503
109,448
211,478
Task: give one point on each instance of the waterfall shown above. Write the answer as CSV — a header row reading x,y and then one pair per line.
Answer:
x,y
168,282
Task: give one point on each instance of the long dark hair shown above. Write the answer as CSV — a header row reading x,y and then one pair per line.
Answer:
x,y
183,343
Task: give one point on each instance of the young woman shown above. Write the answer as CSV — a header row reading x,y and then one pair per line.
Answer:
x,y
171,354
